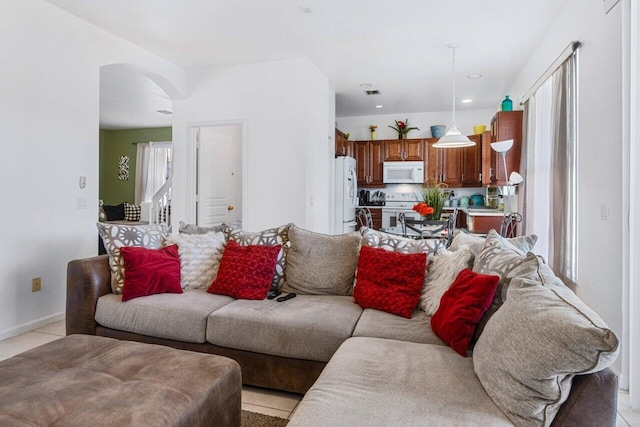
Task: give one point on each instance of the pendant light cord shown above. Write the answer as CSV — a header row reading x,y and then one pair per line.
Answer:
x,y
453,119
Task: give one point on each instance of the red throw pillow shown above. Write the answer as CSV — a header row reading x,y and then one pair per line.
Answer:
x,y
389,281
461,308
150,271
245,272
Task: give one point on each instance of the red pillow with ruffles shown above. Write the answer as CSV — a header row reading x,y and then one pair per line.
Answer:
x,y
389,281
246,272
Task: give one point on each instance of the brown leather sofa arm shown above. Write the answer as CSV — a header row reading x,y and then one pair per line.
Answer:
x,y
593,401
87,280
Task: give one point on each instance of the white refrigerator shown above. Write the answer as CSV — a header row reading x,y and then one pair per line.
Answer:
x,y
346,194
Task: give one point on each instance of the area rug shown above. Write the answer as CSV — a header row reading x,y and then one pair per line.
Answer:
x,y
251,419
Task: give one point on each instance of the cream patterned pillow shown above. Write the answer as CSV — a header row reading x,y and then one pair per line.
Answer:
x,y
533,346
116,236
442,273
268,237
391,242
200,256
475,243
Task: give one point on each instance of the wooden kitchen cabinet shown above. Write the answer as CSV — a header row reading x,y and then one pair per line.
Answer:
x,y
400,150
456,167
506,125
344,147
368,155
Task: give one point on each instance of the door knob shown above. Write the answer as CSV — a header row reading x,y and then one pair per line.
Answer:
x,y
229,208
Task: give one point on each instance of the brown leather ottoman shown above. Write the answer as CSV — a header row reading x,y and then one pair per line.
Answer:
x,y
83,380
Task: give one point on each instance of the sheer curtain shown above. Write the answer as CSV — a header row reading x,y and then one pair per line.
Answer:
x,y
550,162
153,168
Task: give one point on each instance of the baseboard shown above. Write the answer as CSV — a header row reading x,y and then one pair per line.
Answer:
x,y
28,327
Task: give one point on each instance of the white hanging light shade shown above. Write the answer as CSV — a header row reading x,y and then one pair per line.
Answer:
x,y
453,138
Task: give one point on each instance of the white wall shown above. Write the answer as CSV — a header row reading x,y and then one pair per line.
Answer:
x,y
358,126
284,104
599,145
49,81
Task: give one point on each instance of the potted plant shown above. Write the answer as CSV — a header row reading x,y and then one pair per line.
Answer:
x,y
434,197
403,128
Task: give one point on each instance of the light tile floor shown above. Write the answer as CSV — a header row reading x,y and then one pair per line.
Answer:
x,y
254,399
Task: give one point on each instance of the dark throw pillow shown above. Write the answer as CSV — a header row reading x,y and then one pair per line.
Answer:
x,y
114,213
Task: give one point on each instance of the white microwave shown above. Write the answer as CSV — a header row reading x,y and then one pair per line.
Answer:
x,y
403,172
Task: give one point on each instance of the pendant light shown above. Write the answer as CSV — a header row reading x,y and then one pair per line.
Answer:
x,y
454,138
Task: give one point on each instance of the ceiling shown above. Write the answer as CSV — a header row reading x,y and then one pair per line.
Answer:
x,y
398,47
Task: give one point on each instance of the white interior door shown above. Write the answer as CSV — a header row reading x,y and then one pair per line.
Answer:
x,y
217,180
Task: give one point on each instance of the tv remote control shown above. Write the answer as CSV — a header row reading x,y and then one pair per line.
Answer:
x,y
273,294
286,297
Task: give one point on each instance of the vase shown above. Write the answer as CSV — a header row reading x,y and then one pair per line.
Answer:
x,y
507,104
373,135
404,136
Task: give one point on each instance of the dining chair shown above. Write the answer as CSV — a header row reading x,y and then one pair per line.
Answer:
x,y
364,218
509,225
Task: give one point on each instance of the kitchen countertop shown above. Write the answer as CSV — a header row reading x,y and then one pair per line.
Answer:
x,y
474,211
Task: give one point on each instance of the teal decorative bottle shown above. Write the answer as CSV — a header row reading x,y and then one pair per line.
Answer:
x,y
507,104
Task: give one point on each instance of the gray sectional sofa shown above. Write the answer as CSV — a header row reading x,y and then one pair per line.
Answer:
x,y
357,366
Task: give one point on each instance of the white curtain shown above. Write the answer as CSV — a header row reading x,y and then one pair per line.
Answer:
x,y
153,168
550,196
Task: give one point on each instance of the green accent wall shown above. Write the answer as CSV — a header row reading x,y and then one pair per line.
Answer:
x,y
116,143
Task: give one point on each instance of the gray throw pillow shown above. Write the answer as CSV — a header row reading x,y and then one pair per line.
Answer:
x,y
319,264
475,243
540,338
498,257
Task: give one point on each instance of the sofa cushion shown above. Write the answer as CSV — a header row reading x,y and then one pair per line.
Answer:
x,y
391,242
180,317
319,264
379,324
246,271
114,213
200,256
558,333
150,271
443,271
269,237
462,307
381,382
306,327
116,236
389,281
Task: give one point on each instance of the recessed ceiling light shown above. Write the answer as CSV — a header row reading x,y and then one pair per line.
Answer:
x,y
366,85
378,106
474,76
467,101
306,9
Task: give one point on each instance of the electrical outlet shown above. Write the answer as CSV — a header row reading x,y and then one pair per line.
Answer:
x,y
36,284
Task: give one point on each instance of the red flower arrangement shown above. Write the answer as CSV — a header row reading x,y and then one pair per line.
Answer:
x,y
423,209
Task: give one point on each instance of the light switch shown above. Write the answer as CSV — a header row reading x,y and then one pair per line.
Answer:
x,y
604,211
81,203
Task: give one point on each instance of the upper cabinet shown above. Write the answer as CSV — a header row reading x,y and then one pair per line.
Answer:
x,y
506,125
456,167
400,150
368,156
344,147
